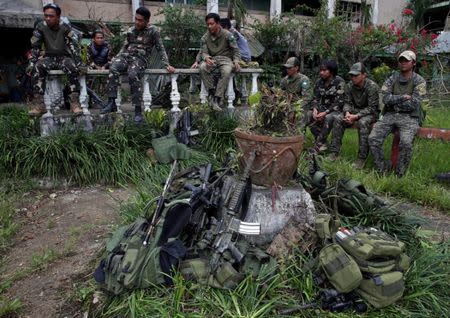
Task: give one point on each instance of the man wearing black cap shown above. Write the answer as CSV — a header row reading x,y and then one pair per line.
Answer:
x,y
402,94
361,109
326,105
295,83
61,51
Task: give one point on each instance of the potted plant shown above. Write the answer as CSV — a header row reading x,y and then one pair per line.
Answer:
x,y
272,131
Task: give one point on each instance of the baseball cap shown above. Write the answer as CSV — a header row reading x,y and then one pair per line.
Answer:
x,y
291,62
409,55
357,69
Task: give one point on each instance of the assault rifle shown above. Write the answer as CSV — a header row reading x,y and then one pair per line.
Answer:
x,y
95,98
160,204
184,127
331,300
228,225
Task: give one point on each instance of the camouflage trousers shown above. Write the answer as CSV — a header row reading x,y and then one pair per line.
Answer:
x,y
222,69
320,129
364,126
407,126
46,64
135,68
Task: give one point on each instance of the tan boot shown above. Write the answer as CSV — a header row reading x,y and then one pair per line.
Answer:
x,y
75,106
37,107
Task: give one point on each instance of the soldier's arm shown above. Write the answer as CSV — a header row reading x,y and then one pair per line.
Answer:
x,y
283,83
233,44
419,92
204,52
314,102
36,44
373,100
74,45
126,43
347,100
339,101
160,47
389,99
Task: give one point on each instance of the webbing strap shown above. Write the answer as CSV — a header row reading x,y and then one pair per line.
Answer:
x,y
337,264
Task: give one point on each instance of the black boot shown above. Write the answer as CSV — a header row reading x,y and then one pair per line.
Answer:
x,y
110,107
138,119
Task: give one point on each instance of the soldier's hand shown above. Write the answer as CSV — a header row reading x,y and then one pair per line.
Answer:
x,y
82,69
170,69
407,97
29,69
209,61
195,65
237,67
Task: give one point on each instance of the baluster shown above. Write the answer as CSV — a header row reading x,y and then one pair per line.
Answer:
x,y
255,83
244,92
147,96
84,98
174,94
203,93
231,95
48,97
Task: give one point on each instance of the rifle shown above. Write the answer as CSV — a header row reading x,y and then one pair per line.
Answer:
x,y
184,128
331,300
229,224
160,204
95,98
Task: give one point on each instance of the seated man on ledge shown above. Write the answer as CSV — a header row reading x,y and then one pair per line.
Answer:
x,y
61,51
133,58
219,52
402,94
361,108
295,83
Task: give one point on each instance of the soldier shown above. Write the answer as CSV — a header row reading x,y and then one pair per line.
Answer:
x,y
402,95
241,41
295,83
219,51
99,51
61,51
327,103
360,109
133,58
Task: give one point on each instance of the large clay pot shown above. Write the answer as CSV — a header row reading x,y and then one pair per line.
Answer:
x,y
276,157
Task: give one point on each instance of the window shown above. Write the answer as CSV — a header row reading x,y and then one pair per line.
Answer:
x,y
351,11
302,7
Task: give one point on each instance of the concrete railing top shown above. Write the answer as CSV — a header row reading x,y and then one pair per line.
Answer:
x,y
162,71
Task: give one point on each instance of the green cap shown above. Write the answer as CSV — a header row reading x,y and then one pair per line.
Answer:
x,y
357,69
291,62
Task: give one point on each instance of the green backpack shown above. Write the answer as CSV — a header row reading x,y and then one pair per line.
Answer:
x,y
129,264
383,289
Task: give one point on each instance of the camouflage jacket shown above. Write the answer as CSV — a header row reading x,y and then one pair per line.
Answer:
x,y
329,98
396,102
61,41
298,84
362,101
222,44
140,43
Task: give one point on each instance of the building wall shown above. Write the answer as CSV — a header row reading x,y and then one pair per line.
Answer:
x,y
389,10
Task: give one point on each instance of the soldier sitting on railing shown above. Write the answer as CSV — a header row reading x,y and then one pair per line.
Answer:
x,y
62,51
133,58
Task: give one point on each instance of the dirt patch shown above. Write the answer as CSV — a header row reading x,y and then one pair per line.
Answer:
x,y
61,234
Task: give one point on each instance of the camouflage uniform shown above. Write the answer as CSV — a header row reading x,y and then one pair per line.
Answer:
x,y
223,49
61,51
297,85
133,59
329,98
363,102
398,113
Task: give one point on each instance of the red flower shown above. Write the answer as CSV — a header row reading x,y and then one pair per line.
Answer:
x,y
408,12
434,36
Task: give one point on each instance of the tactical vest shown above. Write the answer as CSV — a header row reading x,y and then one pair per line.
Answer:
x,y
406,89
55,41
219,45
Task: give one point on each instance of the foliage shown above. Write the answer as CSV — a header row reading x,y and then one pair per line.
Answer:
x,y
157,120
416,10
381,73
7,225
275,114
184,28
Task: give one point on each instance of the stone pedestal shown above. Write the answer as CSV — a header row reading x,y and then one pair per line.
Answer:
x,y
274,209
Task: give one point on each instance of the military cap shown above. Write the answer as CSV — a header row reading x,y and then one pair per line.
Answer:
x,y
357,69
409,55
291,62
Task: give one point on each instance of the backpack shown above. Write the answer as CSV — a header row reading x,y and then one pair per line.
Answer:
x,y
379,258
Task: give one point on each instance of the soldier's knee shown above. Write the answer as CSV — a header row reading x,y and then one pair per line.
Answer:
x,y
226,70
203,67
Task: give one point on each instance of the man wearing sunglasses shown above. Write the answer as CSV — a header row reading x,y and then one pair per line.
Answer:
x,y
61,51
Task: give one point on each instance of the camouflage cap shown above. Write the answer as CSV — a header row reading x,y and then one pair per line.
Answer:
x,y
357,69
409,55
291,62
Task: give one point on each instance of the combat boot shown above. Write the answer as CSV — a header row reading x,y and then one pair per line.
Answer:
x,y
75,106
110,107
215,104
37,106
